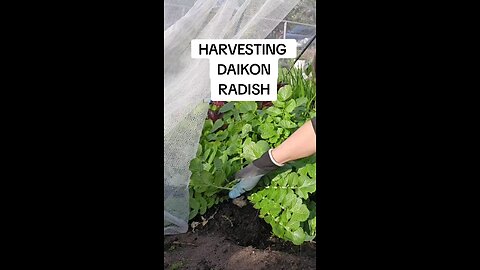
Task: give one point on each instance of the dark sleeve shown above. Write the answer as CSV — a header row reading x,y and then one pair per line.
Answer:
x,y
314,124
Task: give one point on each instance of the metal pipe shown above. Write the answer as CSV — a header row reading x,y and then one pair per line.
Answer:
x,y
304,49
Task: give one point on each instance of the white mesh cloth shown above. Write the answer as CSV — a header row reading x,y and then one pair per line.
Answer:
x,y
186,81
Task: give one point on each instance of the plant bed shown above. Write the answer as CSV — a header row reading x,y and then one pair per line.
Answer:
x,y
235,134
234,238
276,227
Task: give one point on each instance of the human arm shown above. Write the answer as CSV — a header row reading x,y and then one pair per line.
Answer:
x,y
302,143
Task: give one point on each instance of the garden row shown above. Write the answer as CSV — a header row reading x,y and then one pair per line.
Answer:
x,y
236,133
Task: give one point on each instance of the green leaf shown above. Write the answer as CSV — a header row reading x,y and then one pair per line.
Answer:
x,y
301,194
298,236
219,178
291,105
274,208
289,198
255,198
270,220
301,101
312,224
281,175
284,93
247,117
193,213
292,225
308,169
201,180
260,148
255,123
280,194
292,179
300,211
208,125
236,115
234,138
210,191
210,201
245,130
282,181
203,205
227,117
312,170
224,158
288,235
273,139
284,218
269,119
278,230
207,167
264,207
267,131
248,152
232,149
246,106
278,104
221,135
199,150
273,111
227,107
218,124
307,185
287,124
212,155
252,151
218,164
211,137
196,165
194,204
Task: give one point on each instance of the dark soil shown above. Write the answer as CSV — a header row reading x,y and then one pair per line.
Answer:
x,y
234,238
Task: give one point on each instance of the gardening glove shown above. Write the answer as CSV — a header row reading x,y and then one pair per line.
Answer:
x,y
251,174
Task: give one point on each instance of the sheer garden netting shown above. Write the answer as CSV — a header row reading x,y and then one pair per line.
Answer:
x,y
186,80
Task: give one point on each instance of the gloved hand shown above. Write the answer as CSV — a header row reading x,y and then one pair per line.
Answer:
x,y
251,174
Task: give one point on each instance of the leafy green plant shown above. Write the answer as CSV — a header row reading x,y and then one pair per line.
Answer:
x,y
235,134
301,82
285,204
